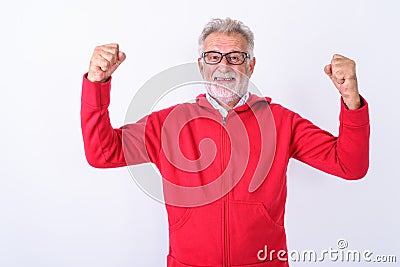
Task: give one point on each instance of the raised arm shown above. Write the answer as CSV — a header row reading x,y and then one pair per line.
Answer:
x,y
347,155
104,145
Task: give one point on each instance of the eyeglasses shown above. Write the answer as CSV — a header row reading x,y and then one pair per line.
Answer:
x,y
234,58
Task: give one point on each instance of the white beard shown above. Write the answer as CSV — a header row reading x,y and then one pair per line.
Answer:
x,y
227,92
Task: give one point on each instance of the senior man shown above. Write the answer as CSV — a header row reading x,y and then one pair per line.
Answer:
x,y
245,216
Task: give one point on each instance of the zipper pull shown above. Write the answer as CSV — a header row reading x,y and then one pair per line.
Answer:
x,y
224,121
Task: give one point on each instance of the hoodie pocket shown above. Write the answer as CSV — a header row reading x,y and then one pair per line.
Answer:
x,y
195,239
181,221
252,229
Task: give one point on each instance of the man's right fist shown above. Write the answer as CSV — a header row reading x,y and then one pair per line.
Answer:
x,y
105,60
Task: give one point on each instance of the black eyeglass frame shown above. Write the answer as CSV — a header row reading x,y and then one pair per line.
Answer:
x,y
246,55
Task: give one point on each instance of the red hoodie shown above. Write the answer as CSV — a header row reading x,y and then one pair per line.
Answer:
x,y
232,222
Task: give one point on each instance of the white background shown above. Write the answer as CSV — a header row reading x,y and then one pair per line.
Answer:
x,y
56,210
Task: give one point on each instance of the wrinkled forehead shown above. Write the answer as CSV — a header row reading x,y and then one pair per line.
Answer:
x,y
225,42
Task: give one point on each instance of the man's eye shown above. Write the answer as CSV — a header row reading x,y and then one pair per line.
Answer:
x,y
213,57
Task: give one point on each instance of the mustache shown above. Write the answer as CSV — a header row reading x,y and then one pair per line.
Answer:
x,y
224,75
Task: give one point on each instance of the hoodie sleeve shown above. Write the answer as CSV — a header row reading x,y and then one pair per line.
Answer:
x,y
346,156
106,147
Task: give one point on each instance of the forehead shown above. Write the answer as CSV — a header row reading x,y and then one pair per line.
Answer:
x,y
224,42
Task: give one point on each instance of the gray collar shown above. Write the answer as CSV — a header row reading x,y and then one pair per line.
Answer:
x,y
220,108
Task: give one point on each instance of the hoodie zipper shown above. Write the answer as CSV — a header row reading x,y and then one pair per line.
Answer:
x,y
225,198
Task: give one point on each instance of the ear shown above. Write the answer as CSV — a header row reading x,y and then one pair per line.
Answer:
x,y
200,64
251,66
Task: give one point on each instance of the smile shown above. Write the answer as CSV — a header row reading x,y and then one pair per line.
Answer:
x,y
224,79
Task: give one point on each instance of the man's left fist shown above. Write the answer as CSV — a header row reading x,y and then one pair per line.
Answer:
x,y
342,72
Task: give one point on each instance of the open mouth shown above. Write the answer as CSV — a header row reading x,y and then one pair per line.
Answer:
x,y
219,79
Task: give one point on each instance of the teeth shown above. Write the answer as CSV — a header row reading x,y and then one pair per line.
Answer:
x,y
223,79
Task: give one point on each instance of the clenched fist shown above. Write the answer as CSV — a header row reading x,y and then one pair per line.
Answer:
x,y
342,72
105,60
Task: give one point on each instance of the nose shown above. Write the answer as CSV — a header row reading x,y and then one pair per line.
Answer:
x,y
224,61
223,66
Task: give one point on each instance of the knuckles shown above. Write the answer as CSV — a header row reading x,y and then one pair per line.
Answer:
x,y
343,64
342,68
103,49
103,57
341,60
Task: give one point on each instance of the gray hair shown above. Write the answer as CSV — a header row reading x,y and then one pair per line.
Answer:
x,y
228,26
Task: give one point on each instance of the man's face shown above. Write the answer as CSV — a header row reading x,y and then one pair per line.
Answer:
x,y
230,82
